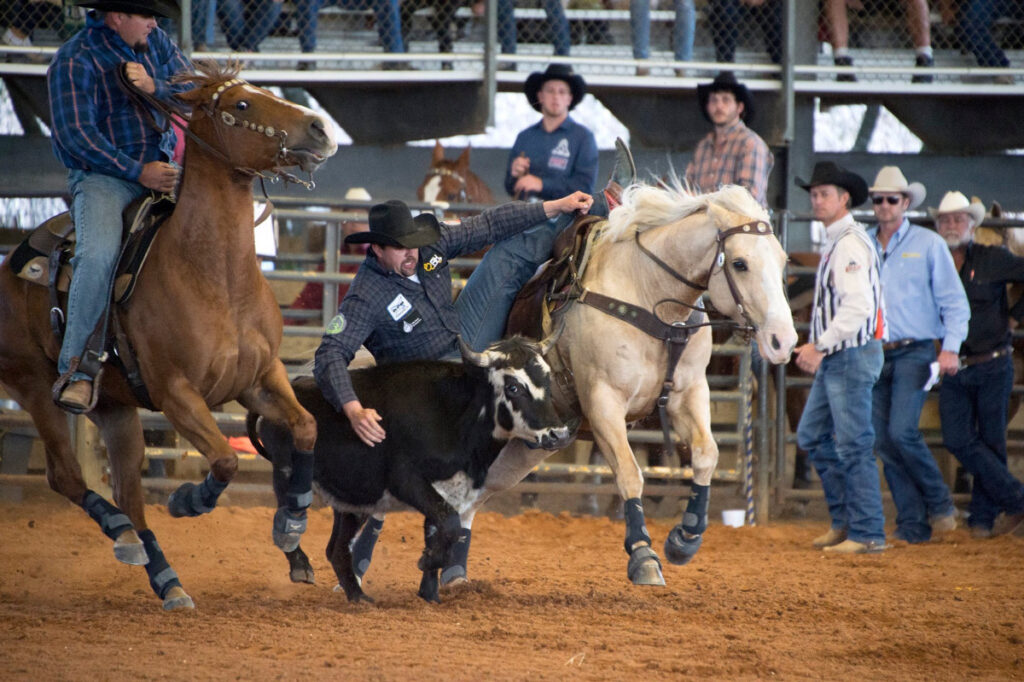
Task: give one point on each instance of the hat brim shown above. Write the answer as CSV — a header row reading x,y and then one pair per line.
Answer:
x,y
428,231
858,193
915,191
976,211
535,81
159,8
739,91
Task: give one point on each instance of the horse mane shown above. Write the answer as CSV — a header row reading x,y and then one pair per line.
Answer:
x,y
208,72
672,199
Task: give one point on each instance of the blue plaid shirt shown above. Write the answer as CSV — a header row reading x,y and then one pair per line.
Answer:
x,y
95,126
398,318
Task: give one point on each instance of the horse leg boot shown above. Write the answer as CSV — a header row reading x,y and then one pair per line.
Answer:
x,y
685,538
362,546
162,577
644,567
128,546
290,518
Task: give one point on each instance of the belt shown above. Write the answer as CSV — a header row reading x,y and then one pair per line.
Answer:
x,y
901,343
968,360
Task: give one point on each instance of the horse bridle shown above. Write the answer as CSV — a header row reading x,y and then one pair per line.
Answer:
x,y
754,227
449,173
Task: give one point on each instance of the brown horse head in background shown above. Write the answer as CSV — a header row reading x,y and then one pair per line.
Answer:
x,y
203,322
452,181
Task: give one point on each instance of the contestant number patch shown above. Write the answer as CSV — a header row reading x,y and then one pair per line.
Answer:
x,y
398,307
336,325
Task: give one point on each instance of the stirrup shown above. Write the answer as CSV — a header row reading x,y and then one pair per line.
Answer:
x,y
64,380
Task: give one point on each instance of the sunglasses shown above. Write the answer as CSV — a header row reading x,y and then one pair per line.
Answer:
x,y
892,201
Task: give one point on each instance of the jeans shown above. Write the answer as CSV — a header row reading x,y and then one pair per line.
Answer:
x,y
97,201
487,298
385,15
557,23
204,15
972,405
726,16
246,24
914,479
835,429
682,30
975,28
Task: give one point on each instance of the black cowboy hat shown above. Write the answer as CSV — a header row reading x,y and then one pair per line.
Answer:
x,y
562,72
829,173
726,82
169,9
392,224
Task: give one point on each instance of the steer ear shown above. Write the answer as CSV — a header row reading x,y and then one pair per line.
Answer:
x,y
471,356
548,342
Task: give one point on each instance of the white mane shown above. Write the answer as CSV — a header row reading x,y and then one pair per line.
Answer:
x,y
646,206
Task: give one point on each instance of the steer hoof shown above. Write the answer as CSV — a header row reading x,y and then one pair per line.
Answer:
x,y
644,567
429,590
177,600
679,549
128,549
355,595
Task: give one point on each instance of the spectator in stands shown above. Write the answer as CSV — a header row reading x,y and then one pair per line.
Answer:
x,y
245,23
682,31
558,25
23,16
386,16
973,21
845,356
918,23
972,402
924,302
726,17
732,153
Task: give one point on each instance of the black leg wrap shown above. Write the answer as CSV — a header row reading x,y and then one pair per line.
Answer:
x,y
192,500
288,528
695,519
112,521
458,558
300,484
161,576
636,528
362,546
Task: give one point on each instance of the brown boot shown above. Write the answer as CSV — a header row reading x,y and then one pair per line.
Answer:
x,y
854,547
77,395
623,174
832,537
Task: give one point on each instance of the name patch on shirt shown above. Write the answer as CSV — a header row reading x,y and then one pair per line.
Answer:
x,y
399,307
910,254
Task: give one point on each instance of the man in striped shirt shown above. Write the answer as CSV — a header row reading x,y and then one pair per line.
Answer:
x,y
112,154
731,154
845,356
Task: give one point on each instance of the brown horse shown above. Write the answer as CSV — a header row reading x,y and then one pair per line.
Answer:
x,y
452,181
203,321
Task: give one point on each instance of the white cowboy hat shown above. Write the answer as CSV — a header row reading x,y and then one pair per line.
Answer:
x,y
358,194
891,179
956,202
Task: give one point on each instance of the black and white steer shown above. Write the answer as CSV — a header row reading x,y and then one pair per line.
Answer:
x,y
445,422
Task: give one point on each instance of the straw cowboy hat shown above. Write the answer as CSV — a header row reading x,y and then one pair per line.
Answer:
x,y
956,202
392,224
562,72
891,180
158,8
829,173
726,82
357,194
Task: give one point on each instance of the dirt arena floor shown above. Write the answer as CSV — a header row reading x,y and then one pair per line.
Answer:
x,y
548,600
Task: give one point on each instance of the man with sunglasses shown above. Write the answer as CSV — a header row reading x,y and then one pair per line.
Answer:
x,y
924,303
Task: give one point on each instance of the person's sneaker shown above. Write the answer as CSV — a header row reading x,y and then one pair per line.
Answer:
x,y
854,547
943,524
845,77
924,62
77,395
1004,79
831,538
1009,524
981,533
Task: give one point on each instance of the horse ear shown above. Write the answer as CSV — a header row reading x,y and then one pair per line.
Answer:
x,y
463,161
438,153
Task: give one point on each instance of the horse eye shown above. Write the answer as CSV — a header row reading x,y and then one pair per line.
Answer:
x,y
242,105
739,265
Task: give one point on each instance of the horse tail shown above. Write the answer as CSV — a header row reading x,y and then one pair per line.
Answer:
x,y
251,427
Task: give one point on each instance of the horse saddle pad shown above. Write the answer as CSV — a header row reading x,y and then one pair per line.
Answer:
x,y
32,261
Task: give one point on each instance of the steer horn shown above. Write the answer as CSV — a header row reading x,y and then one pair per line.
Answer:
x,y
471,356
548,342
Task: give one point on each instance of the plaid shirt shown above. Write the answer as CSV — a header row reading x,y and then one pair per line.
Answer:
x,y
95,126
734,156
398,318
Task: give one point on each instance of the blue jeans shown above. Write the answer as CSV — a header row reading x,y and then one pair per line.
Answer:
x,y
246,24
204,15
97,201
487,298
726,16
385,15
835,429
914,479
682,30
972,405
975,28
557,23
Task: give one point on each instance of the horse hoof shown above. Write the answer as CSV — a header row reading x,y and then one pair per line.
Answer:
x,y
177,600
644,567
302,575
128,549
679,549
453,575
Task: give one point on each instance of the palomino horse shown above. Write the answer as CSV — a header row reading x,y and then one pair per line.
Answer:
x,y
452,181
659,251
203,322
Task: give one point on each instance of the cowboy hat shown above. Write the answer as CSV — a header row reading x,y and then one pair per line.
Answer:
x,y
891,179
829,173
562,72
158,8
392,224
726,82
956,202
357,194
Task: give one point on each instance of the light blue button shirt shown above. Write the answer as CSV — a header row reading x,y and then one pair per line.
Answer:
x,y
924,298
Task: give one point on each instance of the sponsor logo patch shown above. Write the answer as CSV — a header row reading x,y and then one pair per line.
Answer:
x,y
336,325
398,307
435,262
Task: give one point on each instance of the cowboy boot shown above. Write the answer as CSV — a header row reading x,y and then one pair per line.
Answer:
x,y
623,174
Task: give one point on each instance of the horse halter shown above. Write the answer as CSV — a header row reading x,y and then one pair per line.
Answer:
x,y
754,227
449,173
